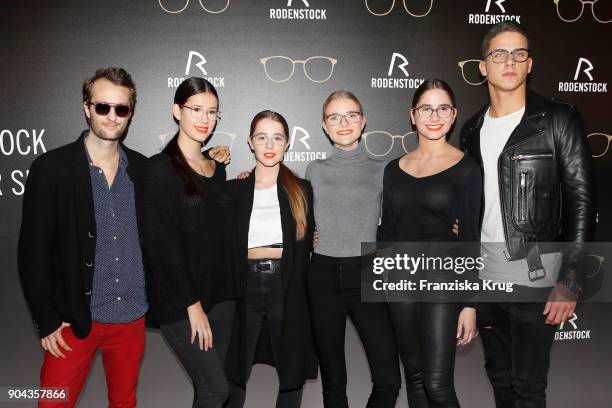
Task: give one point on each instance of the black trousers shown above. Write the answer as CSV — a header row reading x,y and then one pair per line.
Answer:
x,y
334,290
205,367
264,306
517,346
426,339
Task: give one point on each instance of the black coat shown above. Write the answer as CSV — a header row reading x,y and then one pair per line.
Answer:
x,y
57,242
298,360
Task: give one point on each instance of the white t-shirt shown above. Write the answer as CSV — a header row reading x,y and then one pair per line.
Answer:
x,y
494,135
265,225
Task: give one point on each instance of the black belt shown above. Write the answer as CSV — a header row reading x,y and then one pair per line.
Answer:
x,y
264,265
278,245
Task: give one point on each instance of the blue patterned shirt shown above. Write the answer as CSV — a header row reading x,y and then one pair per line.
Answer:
x,y
118,290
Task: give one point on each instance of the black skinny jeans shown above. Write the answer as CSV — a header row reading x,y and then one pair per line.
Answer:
x,y
204,367
426,339
517,346
264,306
334,289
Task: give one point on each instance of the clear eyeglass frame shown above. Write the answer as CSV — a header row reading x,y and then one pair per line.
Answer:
x,y
462,66
266,60
187,4
261,139
600,135
405,8
600,261
582,3
197,113
369,139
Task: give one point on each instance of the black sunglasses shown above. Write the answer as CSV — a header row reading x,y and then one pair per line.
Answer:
x,y
103,108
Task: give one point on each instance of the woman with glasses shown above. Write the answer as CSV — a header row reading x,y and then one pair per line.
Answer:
x,y
424,192
347,187
189,245
275,227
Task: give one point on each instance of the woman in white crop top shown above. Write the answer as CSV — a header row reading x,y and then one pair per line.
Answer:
x,y
275,225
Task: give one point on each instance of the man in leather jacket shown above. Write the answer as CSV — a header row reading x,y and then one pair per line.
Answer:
x,y
537,188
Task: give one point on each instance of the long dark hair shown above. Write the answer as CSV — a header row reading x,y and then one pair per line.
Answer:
x,y
187,88
289,181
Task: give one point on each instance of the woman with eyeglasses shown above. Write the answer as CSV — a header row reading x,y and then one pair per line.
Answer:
x,y
275,227
348,188
424,192
189,245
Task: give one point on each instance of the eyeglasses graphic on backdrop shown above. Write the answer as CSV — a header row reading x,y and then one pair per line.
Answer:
x,y
574,4
405,8
279,68
187,4
380,143
216,139
599,144
600,260
471,74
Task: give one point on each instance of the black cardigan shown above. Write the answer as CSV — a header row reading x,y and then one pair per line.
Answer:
x,y
188,242
57,242
298,360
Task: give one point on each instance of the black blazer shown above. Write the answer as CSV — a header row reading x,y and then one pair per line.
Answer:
x,y
57,241
298,360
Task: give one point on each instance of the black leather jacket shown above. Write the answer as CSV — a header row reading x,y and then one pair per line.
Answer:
x,y
545,182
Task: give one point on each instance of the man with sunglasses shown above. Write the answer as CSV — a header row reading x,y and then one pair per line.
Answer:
x,y
79,256
537,188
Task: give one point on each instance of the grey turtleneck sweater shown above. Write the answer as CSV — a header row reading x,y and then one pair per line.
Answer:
x,y
347,191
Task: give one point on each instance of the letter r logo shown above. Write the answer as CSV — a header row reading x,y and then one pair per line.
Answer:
x,y
302,139
587,70
571,321
303,1
400,66
199,64
498,3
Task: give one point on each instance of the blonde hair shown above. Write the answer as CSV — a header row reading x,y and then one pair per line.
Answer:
x,y
341,94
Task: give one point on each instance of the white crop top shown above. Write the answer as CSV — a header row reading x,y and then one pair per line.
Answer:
x,y
265,225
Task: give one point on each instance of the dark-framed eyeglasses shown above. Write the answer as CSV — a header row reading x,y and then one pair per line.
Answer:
x,y
500,56
334,119
443,111
104,108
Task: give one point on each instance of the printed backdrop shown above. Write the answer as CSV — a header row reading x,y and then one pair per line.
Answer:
x,y
288,55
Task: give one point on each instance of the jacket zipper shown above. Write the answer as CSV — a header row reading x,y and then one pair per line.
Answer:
x,y
531,156
523,196
499,181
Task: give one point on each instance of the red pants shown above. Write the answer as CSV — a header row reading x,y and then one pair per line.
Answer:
x,y
122,346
